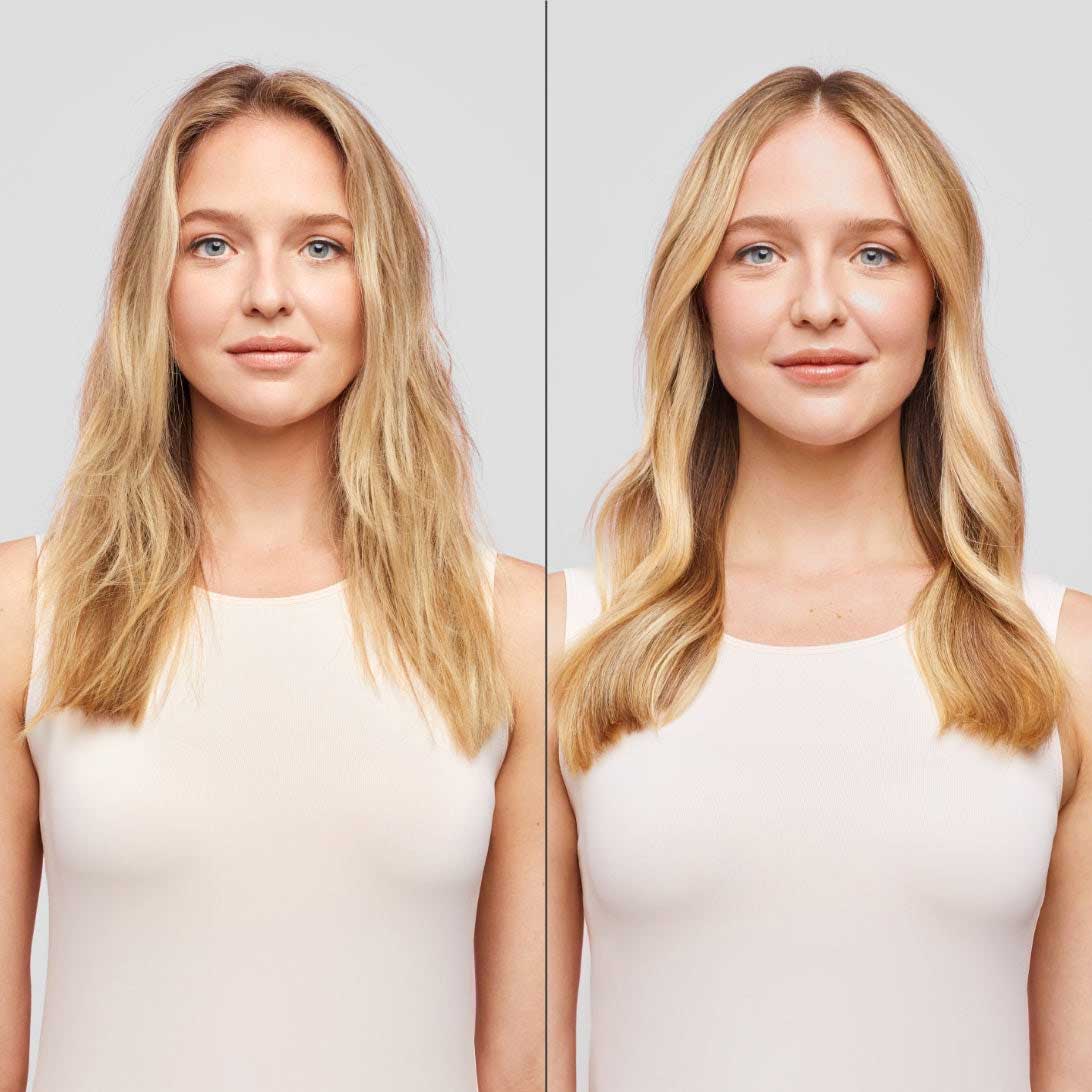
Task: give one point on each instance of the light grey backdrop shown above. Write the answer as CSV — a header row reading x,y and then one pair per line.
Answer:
x,y
632,88
455,89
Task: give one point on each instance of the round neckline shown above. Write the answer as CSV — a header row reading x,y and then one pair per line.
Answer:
x,y
835,646
299,597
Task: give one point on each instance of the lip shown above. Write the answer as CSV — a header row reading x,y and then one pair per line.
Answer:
x,y
270,361
818,366
820,357
278,344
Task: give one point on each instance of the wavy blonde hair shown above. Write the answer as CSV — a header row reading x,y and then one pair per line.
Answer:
x,y
123,543
990,667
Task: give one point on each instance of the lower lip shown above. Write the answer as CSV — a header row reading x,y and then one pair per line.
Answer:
x,y
271,361
818,373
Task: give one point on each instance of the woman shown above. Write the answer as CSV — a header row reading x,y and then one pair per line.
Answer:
x,y
812,724
275,743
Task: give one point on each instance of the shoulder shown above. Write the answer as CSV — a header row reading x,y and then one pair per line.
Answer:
x,y
555,618
1075,627
518,590
1075,621
519,607
555,594
1074,645
18,561
573,604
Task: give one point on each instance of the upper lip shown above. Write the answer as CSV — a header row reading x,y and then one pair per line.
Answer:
x,y
268,345
821,356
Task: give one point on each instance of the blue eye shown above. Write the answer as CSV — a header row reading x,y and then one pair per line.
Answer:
x,y
879,250
761,252
336,247
754,249
208,239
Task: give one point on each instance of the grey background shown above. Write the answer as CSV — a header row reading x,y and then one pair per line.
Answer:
x,y
632,88
456,90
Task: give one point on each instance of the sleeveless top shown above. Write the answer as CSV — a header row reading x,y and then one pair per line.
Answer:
x,y
799,883
272,882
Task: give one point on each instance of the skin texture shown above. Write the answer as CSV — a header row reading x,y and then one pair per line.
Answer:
x,y
1060,977
261,448
564,904
771,292
820,546
20,834
510,936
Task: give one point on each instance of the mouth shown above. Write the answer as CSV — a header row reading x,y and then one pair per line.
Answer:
x,y
819,373
820,366
269,353
270,359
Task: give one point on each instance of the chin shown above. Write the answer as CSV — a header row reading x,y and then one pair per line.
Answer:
x,y
266,417
821,434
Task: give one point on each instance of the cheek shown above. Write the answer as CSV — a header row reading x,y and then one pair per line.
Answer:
x,y
198,306
893,319
333,308
742,322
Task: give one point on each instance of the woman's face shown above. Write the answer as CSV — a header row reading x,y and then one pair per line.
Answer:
x,y
265,251
812,274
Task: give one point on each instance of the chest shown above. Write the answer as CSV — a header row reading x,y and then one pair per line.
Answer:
x,y
815,779
268,744
776,608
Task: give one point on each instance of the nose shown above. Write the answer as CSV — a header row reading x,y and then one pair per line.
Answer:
x,y
267,290
819,302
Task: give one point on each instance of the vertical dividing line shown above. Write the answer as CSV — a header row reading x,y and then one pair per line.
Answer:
x,y
545,528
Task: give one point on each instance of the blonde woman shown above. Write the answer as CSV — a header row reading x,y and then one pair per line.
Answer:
x,y
270,701
817,740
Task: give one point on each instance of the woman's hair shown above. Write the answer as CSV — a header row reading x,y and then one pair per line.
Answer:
x,y
989,665
123,544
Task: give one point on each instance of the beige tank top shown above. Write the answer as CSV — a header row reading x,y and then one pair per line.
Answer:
x,y
272,883
800,884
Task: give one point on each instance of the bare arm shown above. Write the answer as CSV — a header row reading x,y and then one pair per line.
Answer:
x,y
565,910
20,836
510,936
1060,981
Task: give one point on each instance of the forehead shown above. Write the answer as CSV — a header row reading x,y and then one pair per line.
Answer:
x,y
816,167
254,163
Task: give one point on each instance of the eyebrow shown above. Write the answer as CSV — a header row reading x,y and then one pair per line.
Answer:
x,y
316,219
859,224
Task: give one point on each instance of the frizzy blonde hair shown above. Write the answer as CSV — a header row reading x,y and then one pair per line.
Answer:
x,y
122,550
992,670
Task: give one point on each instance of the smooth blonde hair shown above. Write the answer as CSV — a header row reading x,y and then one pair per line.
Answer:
x,y
123,543
990,667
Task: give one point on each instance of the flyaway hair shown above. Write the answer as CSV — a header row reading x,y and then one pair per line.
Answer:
x,y
123,546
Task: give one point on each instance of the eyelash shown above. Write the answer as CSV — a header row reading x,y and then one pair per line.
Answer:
x,y
763,246
338,248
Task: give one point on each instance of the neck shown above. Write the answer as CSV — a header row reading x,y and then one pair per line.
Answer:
x,y
805,508
261,489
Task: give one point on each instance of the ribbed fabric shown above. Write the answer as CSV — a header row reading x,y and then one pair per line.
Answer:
x,y
272,883
800,884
